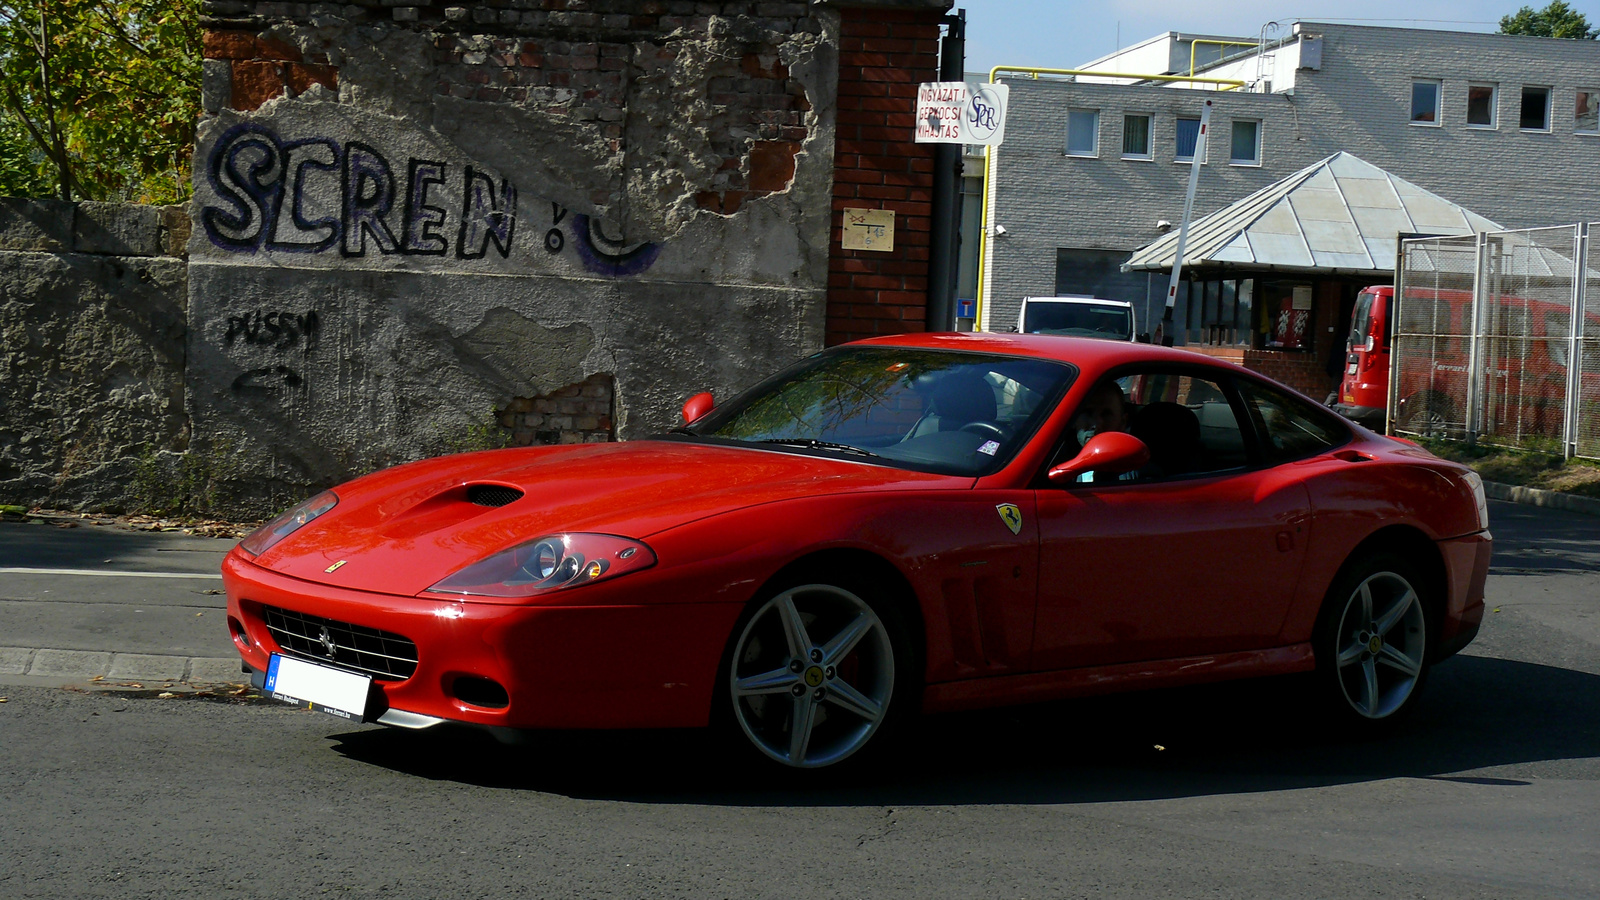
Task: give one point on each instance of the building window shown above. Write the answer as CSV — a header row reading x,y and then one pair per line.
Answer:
x,y
1188,135
1482,106
1586,118
1535,109
1136,137
1246,143
1083,132
1424,102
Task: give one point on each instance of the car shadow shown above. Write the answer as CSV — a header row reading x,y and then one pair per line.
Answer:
x,y
1479,713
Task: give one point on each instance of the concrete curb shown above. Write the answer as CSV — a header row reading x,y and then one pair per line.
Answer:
x,y
31,662
1547,499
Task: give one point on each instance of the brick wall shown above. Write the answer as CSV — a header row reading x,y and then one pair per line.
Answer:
x,y
883,56
576,414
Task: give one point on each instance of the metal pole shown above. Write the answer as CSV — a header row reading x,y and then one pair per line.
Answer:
x,y
1195,163
944,239
1395,319
1475,377
1580,272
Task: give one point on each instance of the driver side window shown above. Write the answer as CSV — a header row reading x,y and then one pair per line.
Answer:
x,y
1186,420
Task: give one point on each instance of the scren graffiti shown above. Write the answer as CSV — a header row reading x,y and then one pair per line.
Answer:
x,y
262,183
315,195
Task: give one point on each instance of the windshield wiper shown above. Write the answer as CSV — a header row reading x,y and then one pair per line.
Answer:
x,y
814,444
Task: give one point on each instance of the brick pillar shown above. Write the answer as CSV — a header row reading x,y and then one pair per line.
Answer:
x,y
883,55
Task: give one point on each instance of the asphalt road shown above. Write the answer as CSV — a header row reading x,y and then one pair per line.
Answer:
x,y
1491,790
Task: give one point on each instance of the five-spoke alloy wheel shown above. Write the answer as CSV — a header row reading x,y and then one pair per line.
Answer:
x,y
812,675
1372,642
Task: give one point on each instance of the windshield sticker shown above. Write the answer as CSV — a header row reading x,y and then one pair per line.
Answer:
x,y
990,448
1011,515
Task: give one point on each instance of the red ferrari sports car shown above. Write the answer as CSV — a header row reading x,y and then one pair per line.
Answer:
x,y
900,525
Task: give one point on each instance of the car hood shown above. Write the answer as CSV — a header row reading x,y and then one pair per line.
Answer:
x,y
402,530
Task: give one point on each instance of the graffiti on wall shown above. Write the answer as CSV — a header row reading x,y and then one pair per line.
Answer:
x,y
316,195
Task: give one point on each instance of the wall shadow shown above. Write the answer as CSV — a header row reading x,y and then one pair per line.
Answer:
x,y
1223,739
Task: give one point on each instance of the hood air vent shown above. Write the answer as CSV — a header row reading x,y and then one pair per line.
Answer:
x,y
492,494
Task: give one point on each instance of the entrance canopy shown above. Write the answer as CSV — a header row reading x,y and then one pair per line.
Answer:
x,y
1341,216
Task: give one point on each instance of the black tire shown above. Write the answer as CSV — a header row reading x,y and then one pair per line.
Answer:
x,y
856,699
1429,415
1372,643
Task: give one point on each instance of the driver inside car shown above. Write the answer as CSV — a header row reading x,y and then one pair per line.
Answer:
x,y
1104,410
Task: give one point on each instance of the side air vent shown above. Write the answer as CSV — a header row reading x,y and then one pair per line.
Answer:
x,y
492,494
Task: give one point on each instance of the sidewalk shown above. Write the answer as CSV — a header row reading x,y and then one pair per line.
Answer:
x,y
80,602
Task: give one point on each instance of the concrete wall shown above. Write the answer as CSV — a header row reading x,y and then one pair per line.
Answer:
x,y
92,328
1357,101
414,223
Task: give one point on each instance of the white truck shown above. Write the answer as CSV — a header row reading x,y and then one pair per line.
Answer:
x,y
1077,315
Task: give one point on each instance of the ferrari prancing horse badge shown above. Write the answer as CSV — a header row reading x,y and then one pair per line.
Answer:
x,y
1010,515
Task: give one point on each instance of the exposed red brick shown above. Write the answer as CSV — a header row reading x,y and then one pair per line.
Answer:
x,y
272,48
772,165
255,81
301,76
229,45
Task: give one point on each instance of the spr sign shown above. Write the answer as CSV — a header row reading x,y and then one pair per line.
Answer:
x,y
955,112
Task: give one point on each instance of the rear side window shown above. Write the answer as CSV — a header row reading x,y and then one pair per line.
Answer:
x,y
1361,321
1291,428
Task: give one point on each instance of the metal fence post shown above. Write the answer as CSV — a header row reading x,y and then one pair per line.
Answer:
x,y
1580,273
1475,371
1395,321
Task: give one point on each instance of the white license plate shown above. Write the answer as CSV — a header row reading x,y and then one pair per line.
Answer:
x,y
308,685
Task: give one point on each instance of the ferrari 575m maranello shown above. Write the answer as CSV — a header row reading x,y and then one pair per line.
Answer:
x,y
898,526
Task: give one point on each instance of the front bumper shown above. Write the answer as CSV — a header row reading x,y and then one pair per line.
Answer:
x,y
610,663
1467,567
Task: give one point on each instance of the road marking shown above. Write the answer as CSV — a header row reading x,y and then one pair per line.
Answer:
x,y
110,574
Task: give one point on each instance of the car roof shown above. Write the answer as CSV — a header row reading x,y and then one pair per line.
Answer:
x,y
1081,299
1087,353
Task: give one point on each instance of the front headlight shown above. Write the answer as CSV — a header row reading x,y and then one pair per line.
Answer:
x,y
264,537
1476,484
550,563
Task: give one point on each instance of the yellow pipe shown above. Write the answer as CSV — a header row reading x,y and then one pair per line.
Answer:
x,y
1194,43
983,219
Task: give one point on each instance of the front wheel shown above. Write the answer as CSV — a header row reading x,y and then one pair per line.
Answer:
x,y
1371,642
814,673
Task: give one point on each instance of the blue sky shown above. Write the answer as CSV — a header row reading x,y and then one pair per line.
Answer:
x,y
1060,34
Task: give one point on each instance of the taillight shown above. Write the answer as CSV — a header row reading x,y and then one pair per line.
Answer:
x,y
1372,342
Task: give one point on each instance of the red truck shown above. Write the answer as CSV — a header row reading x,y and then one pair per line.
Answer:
x,y
1525,355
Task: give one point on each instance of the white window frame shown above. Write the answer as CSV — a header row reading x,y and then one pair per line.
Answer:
x,y
1438,103
1244,162
1149,153
1594,92
1494,105
1094,151
1186,160
1549,97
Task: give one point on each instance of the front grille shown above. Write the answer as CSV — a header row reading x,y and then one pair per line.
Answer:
x,y
492,494
382,654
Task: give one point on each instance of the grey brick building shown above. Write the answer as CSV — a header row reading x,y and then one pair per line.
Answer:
x,y
1503,125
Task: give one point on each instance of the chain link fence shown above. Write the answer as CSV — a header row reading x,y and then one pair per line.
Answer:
x,y
1497,339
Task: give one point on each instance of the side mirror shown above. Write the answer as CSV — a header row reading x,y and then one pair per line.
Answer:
x,y
1112,452
697,406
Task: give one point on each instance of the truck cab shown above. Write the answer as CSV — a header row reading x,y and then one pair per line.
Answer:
x,y
1077,316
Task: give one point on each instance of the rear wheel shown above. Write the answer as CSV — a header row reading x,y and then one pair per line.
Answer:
x,y
1429,415
816,673
1371,642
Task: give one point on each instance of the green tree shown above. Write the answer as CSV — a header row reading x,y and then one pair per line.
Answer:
x,y
1558,20
98,98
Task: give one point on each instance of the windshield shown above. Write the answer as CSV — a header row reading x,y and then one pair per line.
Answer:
x,y
1361,321
932,410
1079,319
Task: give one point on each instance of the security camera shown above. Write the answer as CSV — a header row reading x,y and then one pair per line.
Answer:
x,y
999,229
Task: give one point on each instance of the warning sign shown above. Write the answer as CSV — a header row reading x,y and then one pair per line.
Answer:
x,y
955,112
